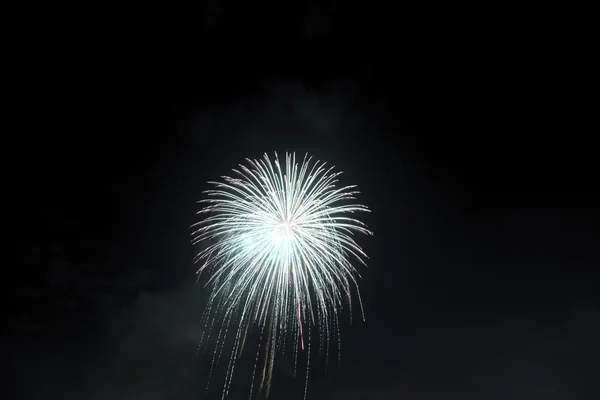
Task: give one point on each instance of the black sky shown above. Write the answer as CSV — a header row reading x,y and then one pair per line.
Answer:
x,y
483,276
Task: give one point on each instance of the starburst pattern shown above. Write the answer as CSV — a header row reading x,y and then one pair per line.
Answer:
x,y
279,250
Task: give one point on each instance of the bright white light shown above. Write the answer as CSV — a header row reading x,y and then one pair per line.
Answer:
x,y
279,255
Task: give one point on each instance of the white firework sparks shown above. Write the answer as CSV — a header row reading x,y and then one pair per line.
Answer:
x,y
281,242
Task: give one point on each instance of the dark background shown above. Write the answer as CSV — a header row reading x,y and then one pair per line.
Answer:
x,y
457,124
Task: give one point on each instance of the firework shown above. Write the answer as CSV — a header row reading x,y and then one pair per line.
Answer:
x,y
278,255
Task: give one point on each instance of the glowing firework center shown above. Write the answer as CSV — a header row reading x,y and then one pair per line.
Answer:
x,y
282,234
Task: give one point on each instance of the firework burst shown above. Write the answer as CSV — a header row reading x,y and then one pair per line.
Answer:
x,y
280,242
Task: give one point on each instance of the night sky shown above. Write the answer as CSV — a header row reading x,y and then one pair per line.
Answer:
x,y
483,271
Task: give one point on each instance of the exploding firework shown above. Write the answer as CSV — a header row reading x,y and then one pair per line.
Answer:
x,y
280,245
